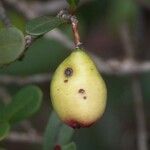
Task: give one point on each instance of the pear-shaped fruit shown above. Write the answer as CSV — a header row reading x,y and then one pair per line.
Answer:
x,y
78,92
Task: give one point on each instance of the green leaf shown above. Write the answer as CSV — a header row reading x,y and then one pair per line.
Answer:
x,y
42,25
51,132
4,130
65,135
56,133
73,3
70,146
12,45
25,103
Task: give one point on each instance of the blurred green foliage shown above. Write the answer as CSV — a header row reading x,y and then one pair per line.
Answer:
x,y
23,105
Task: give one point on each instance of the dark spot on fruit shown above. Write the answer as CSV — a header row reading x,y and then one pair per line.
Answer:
x,y
76,125
85,97
57,89
68,72
82,91
65,81
57,147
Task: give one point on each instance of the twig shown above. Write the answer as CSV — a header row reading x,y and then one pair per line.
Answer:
x,y
137,92
24,137
3,16
64,14
74,23
40,78
111,67
120,68
140,117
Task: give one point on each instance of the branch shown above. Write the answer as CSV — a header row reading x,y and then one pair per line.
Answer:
x,y
40,78
3,16
24,137
111,67
140,116
136,89
121,68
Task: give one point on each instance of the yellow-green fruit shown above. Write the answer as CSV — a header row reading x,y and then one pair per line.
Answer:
x,y
78,92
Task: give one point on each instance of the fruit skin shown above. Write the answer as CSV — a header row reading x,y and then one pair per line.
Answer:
x,y
78,92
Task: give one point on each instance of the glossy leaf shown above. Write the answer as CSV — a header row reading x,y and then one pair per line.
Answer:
x,y
4,130
51,132
70,146
41,25
65,135
12,45
25,103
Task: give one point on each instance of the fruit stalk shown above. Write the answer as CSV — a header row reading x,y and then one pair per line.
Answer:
x,y
74,23
65,15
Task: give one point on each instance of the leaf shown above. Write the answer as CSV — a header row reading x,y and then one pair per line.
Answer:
x,y
73,3
70,146
12,45
4,130
65,135
24,104
42,25
51,132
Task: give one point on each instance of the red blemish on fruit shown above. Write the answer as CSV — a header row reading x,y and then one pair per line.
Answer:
x,y
76,125
57,147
